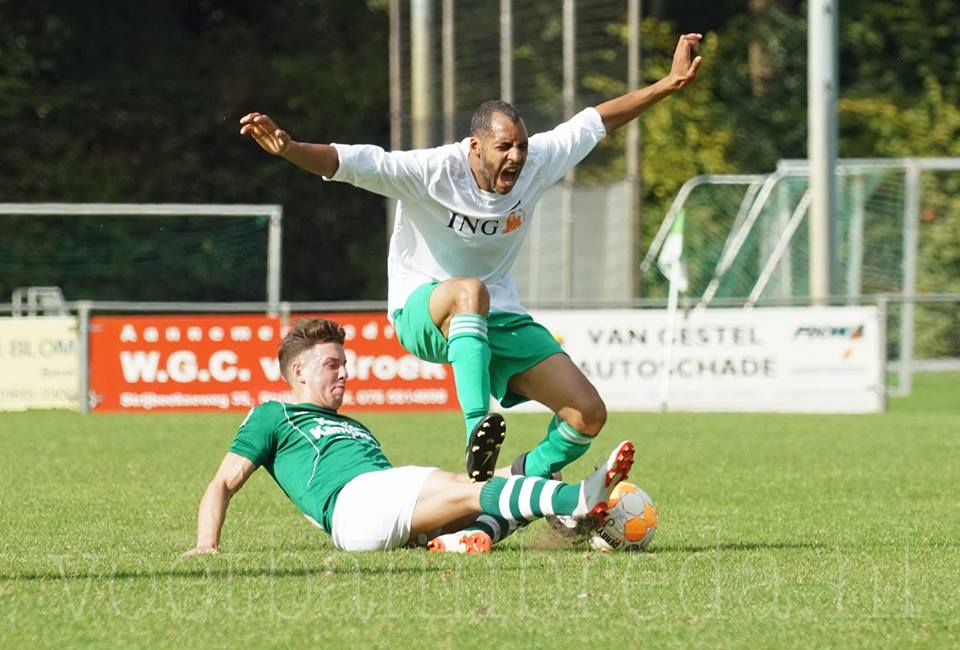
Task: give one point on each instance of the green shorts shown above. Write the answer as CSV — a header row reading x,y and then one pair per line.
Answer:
x,y
517,342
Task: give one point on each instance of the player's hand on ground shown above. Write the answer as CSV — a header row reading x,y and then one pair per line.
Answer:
x,y
685,64
268,135
201,550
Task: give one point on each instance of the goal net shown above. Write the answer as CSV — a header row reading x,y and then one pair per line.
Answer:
x,y
896,234
142,252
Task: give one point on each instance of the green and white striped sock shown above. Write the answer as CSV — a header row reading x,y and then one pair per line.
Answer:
x,y
562,445
468,351
525,498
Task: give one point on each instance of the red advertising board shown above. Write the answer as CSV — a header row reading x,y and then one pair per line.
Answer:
x,y
229,362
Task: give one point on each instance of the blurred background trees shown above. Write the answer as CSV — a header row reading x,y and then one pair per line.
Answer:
x,y
138,102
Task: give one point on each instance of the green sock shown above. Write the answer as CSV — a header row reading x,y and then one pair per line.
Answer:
x,y
496,527
525,498
562,445
469,354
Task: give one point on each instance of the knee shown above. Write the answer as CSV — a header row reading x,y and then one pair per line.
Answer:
x,y
588,418
471,296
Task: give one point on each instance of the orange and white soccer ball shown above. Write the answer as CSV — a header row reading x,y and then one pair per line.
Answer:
x,y
630,523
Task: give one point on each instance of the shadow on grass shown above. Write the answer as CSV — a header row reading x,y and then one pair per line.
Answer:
x,y
739,546
227,572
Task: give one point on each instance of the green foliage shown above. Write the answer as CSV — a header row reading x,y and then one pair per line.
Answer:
x,y
882,126
770,125
891,48
139,102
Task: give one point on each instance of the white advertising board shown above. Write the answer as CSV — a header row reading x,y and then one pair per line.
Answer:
x,y
39,363
789,359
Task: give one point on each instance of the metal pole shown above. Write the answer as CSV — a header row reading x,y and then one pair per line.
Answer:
x,y
569,105
83,354
634,152
822,144
911,222
274,244
855,254
882,309
506,50
784,281
396,99
421,71
396,86
449,76
569,58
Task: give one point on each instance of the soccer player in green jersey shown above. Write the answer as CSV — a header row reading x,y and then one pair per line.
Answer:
x,y
463,212
334,471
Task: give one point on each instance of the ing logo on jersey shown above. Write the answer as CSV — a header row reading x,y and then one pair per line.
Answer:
x,y
489,227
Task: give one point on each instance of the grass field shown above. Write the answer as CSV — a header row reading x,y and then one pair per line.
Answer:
x,y
775,531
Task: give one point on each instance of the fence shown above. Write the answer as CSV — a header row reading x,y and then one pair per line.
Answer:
x,y
744,245
143,251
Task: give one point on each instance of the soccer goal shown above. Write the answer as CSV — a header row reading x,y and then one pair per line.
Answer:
x,y
144,252
744,245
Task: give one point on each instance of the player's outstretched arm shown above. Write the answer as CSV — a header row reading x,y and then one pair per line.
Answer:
x,y
617,112
233,472
320,159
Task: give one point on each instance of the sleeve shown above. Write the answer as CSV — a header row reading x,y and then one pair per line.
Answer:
x,y
569,143
393,174
256,438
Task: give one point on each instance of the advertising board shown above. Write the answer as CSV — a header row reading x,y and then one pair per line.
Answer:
x,y
228,362
39,363
789,359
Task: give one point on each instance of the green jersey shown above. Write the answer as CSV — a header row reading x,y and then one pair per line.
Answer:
x,y
310,451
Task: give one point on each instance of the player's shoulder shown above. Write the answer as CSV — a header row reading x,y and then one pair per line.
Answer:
x,y
262,413
450,156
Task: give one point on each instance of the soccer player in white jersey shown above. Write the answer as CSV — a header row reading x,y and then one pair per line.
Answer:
x,y
334,471
463,211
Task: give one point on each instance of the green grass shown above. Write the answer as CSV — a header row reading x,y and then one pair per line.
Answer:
x,y
775,531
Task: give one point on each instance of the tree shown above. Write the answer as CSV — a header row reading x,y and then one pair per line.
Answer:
x,y
139,102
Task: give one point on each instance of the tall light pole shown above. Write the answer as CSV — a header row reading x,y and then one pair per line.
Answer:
x,y
822,145
421,72
569,107
506,50
634,154
448,56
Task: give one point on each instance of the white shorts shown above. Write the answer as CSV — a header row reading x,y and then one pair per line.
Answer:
x,y
375,510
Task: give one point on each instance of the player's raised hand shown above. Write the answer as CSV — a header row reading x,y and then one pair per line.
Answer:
x,y
685,64
273,139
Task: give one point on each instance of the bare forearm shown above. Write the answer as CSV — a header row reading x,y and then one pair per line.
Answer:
x,y
211,515
683,71
320,159
617,112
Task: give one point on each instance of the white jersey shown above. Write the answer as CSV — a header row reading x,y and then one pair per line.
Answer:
x,y
446,226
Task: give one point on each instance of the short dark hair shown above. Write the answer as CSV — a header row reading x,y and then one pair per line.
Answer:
x,y
306,333
480,122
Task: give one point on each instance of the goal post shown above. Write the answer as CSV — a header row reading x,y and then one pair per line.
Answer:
x,y
273,213
743,246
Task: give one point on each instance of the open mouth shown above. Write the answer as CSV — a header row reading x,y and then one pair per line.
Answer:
x,y
509,176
